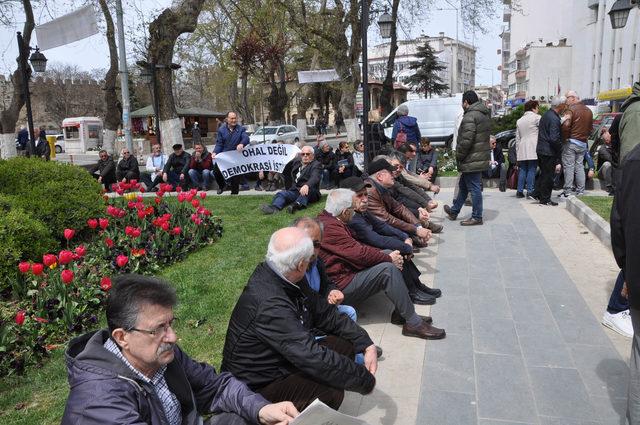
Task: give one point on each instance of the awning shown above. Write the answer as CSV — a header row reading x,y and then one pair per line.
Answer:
x,y
619,94
147,111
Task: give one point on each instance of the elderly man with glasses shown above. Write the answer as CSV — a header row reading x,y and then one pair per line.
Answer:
x,y
305,188
135,373
127,168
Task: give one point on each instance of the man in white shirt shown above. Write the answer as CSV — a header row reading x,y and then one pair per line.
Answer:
x,y
155,165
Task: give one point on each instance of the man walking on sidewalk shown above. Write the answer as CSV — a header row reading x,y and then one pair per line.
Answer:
x,y
473,155
549,148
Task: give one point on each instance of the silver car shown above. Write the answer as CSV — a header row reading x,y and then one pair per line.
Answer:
x,y
274,134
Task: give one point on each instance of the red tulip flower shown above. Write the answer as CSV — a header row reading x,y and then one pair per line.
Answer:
x,y
122,260
127,230
203,195
176,230
178,189
141,189
195,203
65,257
109,242
68,233
133,182
105,283
24,267
138,252
103,222
49,260
136,232
80,251
181,197
157,200
67,276
165,226
92,223
20,316
37,269
141,214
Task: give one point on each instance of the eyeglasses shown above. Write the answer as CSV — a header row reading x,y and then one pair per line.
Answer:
x,y
316,244
160,331
306,153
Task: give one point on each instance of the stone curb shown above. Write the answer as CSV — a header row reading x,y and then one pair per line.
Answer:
x,y
596,224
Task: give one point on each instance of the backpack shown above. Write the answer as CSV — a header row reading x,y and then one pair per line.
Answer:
x,y
401,137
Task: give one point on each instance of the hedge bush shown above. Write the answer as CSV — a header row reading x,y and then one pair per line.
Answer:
x,y
59,195
21,238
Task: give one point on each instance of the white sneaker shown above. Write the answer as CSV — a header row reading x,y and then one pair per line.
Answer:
x,y
619,322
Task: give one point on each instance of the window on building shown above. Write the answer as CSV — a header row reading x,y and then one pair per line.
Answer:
x,y
610,83
618,82
631,81
613,55
633,52
593,64
620,55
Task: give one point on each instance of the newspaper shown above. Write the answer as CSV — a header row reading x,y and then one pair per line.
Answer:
x,y
318,413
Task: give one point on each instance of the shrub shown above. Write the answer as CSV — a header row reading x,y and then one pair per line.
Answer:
x,y
59,195
21,238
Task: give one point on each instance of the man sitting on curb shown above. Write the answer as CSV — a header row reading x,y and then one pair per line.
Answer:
x,y
497,167
270,341
127,168
200,167
105,170
177,166
135,373
305,189
361,271
154,166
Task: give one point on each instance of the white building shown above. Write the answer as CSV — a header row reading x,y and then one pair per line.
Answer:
x,y
492,96
457,56
549,45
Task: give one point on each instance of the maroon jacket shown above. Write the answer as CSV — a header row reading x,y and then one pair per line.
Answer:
x,y
342,254
204,163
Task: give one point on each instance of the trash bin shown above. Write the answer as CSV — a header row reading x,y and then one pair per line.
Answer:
x,y
52,145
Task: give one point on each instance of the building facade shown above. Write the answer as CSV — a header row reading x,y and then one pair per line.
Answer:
x,y
457,57
492,97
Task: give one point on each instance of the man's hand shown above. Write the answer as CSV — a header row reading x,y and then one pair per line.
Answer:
x,y
430,171
558,168
124,180
341,169
371,359
335,297
423,233
165,177
625,290
435,188
409,241
590,174
181,176
423,214
278,413
100,179
397,259
239,147
304,190
213,155
196,154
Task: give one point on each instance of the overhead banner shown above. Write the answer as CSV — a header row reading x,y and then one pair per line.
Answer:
x,y
255,158
66,29
318,76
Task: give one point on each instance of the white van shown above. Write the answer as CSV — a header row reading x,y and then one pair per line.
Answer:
x,y
82,134
436,118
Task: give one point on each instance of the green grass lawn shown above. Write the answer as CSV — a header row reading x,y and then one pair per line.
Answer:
x,y
600,204
208,282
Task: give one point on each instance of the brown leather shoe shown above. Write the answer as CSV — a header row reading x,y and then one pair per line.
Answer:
x,y
471,222
396,319
434,227
424,331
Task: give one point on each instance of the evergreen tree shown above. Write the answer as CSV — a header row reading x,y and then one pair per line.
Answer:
x,y
426,80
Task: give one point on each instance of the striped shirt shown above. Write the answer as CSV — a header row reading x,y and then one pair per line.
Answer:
x,y
169,401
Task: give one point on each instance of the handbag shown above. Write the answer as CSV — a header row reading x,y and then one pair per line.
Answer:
x,y
401,137
512,178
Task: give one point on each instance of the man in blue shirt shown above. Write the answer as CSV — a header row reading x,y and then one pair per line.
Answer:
x,y
231,136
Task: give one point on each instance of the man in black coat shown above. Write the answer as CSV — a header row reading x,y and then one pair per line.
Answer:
x,y
305,189
127,168
177,167
43,150
497,166
270,343
549,149
625,242
105,170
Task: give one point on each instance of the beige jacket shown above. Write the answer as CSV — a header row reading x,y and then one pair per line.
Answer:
x,y
527,136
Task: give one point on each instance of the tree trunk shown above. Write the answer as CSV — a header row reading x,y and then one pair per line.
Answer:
x,y
278,98
386,97
9,116
181,18
112,115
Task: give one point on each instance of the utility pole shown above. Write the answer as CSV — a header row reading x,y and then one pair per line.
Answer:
x,y
124,78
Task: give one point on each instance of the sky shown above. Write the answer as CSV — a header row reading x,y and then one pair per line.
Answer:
x,y
92,52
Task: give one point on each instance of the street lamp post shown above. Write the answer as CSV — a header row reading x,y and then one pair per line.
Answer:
x,y
384,23
148,76
39,63
454,59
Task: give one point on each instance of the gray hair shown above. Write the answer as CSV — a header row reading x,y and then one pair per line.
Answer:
x,y
572,93
308,223
402,110
323,143
338,201
287,260
557,101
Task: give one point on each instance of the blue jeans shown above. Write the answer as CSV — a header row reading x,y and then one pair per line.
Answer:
x,y
527,173
286,197
351,312
469,183
200,178
618,303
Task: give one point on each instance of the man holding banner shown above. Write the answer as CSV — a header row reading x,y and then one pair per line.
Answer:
x,y
305,173
231,137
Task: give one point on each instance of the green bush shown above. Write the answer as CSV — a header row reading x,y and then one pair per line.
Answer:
x,y
21,238
508,122
59,195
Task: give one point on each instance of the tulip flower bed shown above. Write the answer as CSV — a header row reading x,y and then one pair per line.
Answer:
x,y
63,295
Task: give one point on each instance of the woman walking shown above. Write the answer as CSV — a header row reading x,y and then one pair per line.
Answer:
x,y
526,143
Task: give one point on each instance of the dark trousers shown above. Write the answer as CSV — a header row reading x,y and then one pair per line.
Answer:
x,y
286,197
547,174
150,180
618,303
128,176
302,389
233,181
106,181
173,179
411,276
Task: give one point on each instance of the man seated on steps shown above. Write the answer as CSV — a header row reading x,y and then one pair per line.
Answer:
x,y
497,167
361,271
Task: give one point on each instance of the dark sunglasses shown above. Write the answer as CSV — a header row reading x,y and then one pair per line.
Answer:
x,y
316,244
306,153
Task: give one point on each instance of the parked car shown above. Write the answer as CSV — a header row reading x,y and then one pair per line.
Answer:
x,y
59,143
601,121
273,134
504,137
436,118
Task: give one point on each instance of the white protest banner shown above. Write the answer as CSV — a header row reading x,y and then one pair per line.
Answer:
x,y
318,413
66,29
255,158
